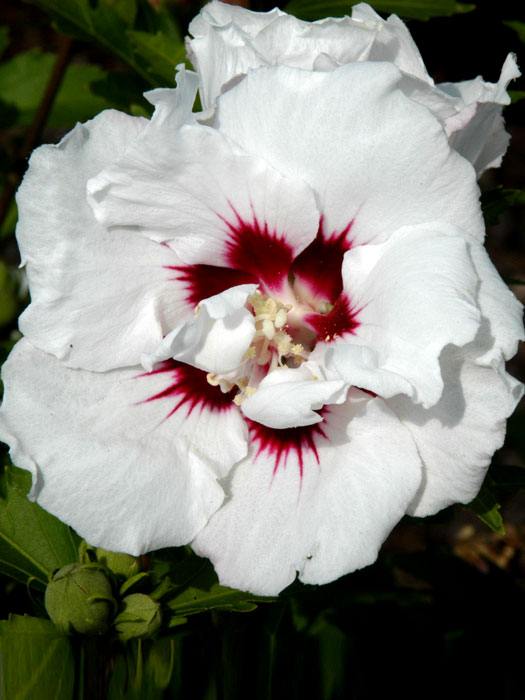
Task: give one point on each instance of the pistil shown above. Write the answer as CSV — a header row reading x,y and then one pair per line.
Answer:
x,y
271,347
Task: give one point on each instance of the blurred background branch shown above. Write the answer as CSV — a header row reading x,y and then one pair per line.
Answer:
x,y
35,130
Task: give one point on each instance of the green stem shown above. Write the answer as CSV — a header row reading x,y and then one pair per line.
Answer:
x,y
93,660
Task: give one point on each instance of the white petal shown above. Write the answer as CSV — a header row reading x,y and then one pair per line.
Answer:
x,y
360,365
220,14
192,188
393,42
228,41
500,309
410,308
291,42
174,107
216,338
108,461
477,90
482,138
99,299
458,436
444,107
328,522
287,398
228,302
372,155
220,56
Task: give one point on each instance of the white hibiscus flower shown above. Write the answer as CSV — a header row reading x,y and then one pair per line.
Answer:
x,y
228,41
269,335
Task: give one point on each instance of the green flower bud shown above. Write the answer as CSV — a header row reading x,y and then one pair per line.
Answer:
x,y
140,617
120,564
79,598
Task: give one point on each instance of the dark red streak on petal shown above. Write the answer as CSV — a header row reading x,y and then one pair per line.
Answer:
x,y
253,248
367,391
319,265
341,320
203,281
281,444
189,388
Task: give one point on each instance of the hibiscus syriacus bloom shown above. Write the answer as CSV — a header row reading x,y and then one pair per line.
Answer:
x,y
269,329
228,41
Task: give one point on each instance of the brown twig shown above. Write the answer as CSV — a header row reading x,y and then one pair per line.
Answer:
x,y
34,133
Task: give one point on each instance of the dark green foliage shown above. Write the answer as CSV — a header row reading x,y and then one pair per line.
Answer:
x,y
412,9
33,543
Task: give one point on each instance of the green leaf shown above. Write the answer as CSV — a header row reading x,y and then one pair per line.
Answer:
x,y
6,345
4,39
118,680
8,295
179,564
126,10
516,95
194,586
268,654
8,114
134,583
104,22
519,28
36,660
332,654
23,80
143,670
196,600
411,9
8,225
33,543
487,508
177,622
495,202
160,661
160,52
111,24
204,593
123,90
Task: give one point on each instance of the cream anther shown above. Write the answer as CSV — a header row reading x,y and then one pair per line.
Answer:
x,y
271,347
281,318
268,329
244,394
271,316
216,380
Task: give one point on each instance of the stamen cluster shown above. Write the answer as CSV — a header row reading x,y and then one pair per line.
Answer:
x,y
272,347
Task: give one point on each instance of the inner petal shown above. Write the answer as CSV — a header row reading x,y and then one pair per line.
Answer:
x,y
290,313
203,281
340,320
188,389
258,250
215,338
281,445
317,270
297,303
254,253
